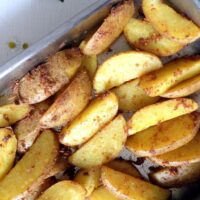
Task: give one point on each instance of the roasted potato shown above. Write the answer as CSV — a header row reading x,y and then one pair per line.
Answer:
x,y
7,99
158,82
48,78
165,136
131,97
110,29
99,112
159,112
103,147
142,35
124,67
170,23
69,103
124,186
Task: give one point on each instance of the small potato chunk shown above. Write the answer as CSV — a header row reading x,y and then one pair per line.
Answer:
x,y
142,35
160,112
170,23
164,137
110,29
124,67
99,112
131,97
64,190
8,147
69,103
103,147
158,82
11,113
125,187
34,166
48,78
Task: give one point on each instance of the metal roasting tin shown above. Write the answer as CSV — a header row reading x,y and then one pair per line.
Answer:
x,y
71,33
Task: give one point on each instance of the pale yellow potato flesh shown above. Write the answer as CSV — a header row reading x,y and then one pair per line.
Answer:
x,y
142,35
159,112
110,29
99,112
158,82
170,23
103,147
131,97
165,136
11,113
128,187
64,190
69,103
124,67
8,147
184,88
33,167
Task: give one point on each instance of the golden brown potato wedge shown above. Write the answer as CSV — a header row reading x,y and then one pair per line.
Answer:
x,y
7,99
160,112
34,166
158,82
103,147
170,23
110,29
165,136
131,97
48,78
99,112
124,67
142,35
128,187
69,103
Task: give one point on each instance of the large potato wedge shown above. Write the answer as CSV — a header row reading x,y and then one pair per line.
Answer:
x,y
131,97
187,154
11,113
110,29
48,78
170,23
158,82
33,167
8,147
64,190
69,103
124,67
142,35
99,112
184,88
164,137
103,147
127,187
160,112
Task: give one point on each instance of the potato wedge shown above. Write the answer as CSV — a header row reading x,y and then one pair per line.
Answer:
x,y
184,88
131,97
164,137
142,35
7,99
158,82
124,67
170,23
34,166
124,186
69,103
48,78
160,112
64,190
8,147
110,29
99,112
11,113
103,147
187,154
